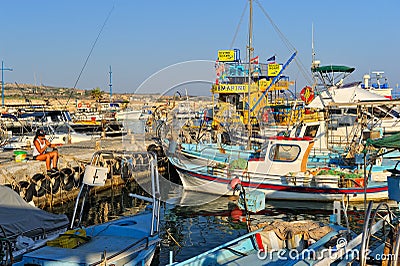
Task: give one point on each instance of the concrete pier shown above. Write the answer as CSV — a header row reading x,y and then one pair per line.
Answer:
x,y
72,156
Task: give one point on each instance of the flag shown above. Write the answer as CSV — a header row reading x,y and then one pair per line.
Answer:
x,y
272,58
254,60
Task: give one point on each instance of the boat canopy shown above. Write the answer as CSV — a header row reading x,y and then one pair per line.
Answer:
x,y
333,68
391,142
18,216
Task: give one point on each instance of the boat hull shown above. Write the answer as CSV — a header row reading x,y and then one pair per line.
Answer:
x,y
202,182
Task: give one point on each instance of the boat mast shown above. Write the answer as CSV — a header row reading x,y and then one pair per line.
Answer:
x,y
110,85
250,55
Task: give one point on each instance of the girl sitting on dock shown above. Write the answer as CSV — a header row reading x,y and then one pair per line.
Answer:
x,y
40,144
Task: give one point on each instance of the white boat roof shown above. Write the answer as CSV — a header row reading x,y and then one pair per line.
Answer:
x,y
350,94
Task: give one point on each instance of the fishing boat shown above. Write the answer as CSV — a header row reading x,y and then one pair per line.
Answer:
x,y
130,240
275,243
24,227
279,169
311,243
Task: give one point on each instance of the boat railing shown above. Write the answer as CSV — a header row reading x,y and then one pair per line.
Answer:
x,y
97,171
294,179
6,252
132,248
35,234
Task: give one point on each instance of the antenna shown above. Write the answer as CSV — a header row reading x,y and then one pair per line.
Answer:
x,y
91,50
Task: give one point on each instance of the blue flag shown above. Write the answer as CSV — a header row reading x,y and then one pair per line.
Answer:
x,y
272,58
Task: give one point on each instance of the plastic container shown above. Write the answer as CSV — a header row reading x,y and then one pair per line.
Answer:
x,y
95,175
255,201
394,187
20,156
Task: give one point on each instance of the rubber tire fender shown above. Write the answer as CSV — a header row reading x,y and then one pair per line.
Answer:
x,y
38,180
56,183
67,179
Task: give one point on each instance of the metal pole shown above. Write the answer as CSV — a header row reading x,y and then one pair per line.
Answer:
x,y
250,50
2,81
110,85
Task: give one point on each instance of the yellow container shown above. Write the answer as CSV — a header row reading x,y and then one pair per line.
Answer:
x,y
70,239
20,156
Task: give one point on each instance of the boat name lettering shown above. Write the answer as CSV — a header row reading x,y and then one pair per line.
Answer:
x,y
230,88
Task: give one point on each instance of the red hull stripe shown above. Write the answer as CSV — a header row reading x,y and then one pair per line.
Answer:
x,y
299,189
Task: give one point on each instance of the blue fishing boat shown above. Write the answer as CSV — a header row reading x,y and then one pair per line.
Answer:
x,y
277,243
130,240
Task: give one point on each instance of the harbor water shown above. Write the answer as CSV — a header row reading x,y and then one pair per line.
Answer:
x,y
192,223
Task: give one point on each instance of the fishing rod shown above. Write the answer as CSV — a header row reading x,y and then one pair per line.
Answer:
x,y
90,53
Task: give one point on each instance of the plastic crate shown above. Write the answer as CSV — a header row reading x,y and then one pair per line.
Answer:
x,y
394,187
255,201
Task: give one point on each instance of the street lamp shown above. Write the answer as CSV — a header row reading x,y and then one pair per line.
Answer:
x,y
2,81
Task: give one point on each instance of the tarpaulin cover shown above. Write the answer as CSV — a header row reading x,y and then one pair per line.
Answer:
x,y
18,216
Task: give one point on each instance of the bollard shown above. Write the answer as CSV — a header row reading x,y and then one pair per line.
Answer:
x,y
97,146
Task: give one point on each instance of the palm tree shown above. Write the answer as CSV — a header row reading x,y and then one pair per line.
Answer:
x,y
96,94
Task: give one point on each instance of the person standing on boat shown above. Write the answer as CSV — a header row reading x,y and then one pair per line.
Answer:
x,y
40,144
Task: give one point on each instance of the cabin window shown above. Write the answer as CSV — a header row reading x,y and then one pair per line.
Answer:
x,y
284,152
311,131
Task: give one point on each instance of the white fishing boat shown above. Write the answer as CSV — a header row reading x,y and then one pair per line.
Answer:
x,y
61,134
132,115
279,169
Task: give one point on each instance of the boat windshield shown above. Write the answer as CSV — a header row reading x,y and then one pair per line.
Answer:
x,y
284,152
63,129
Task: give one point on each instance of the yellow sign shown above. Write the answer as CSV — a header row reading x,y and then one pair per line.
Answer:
x,y
273,69
226,55
230,88
263,84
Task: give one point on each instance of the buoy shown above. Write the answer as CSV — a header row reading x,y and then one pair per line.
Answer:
x,y
234,183
236,214
79,105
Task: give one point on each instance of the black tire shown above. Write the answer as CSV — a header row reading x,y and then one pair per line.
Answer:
x,y
46,186
29,192
36,181
56,183
21,188
67,179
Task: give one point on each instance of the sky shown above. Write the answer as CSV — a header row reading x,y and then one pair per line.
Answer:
x,y
47,42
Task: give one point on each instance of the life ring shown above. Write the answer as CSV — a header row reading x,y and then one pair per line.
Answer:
x,y
67,179
88,105
36,182
265,116
79,105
